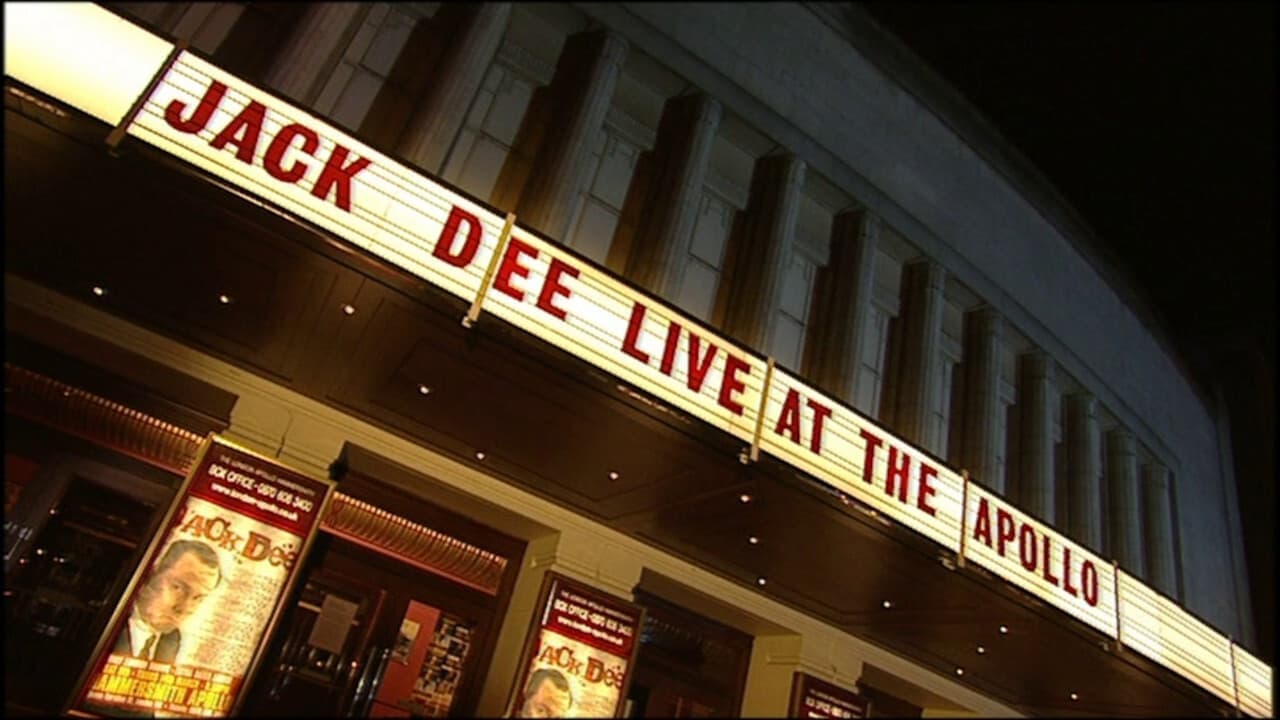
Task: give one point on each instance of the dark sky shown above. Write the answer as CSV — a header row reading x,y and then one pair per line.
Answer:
x,y
1156,120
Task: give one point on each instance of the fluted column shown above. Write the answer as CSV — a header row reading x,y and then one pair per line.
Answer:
x,y
1158,526
1125,500
1084,486
579,97
1035,457
921,354
474,32
844,304
318,39
660,249
769,232
979,436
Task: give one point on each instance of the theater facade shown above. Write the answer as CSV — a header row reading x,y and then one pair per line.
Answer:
x,y
532,450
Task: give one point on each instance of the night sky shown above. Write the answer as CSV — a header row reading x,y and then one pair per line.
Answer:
x,y
1156,120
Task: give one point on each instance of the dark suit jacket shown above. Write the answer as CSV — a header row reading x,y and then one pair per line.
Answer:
x,y
166,644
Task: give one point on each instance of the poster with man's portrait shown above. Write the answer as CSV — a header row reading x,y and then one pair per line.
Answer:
x,y
579,655
183,642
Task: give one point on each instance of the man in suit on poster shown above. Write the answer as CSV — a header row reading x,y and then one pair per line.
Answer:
x,y
178,583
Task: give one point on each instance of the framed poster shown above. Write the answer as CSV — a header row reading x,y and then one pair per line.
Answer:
x,y
814,698
190,628
578,655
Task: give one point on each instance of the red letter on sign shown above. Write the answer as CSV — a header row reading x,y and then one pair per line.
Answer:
x,y
873,442
336,176
204,111
1004,529
275,152
553,287
250,121
732,384
629,343
897,470
444,246
982,523
511,266
789,419
928,473
820,413
698,368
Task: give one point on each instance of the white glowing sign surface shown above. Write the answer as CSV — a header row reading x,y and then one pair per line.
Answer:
x,y
834,444
1158,628
89,58
1040,560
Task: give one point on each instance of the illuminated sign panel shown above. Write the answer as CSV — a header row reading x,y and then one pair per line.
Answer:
x,y
542,289
241,134
83,55
1038,559
89,58
833,443
1253,678
1164,632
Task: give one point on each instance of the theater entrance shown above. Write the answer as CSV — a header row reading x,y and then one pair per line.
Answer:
x,y
394,614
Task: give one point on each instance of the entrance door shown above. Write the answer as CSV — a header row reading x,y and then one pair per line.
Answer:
x,y
369,636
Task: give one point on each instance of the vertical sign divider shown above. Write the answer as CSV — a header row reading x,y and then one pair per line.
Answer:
x,y
1115,591
964,515
473,313
764,403
1235,679
117,134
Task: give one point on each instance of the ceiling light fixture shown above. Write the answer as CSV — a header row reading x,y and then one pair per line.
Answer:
x,y
613,475
479,454
959,671
1075,696
349,309
981,650
99,290
753,540
224,299
744,498
423,389
761,581
1004,630
887,604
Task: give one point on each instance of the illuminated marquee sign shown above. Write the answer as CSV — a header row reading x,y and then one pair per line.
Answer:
x,y
91,59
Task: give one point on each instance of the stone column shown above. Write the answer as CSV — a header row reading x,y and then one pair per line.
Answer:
x,y
979,436
921,354
579,97
1158,525
764,246
843,307
1123,492
1084,486
1036,491
660,249
474,32
776,658
313,47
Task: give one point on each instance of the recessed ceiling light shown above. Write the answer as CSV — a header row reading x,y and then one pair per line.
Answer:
x,y
745,498
959,671
99,290
349,309
761,581
224,299
423,389
1075,696
1004,630
887,604
479,454
981,650
753,540
613,475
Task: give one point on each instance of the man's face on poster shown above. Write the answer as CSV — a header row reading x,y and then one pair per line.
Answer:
x,y
172,594
547,701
